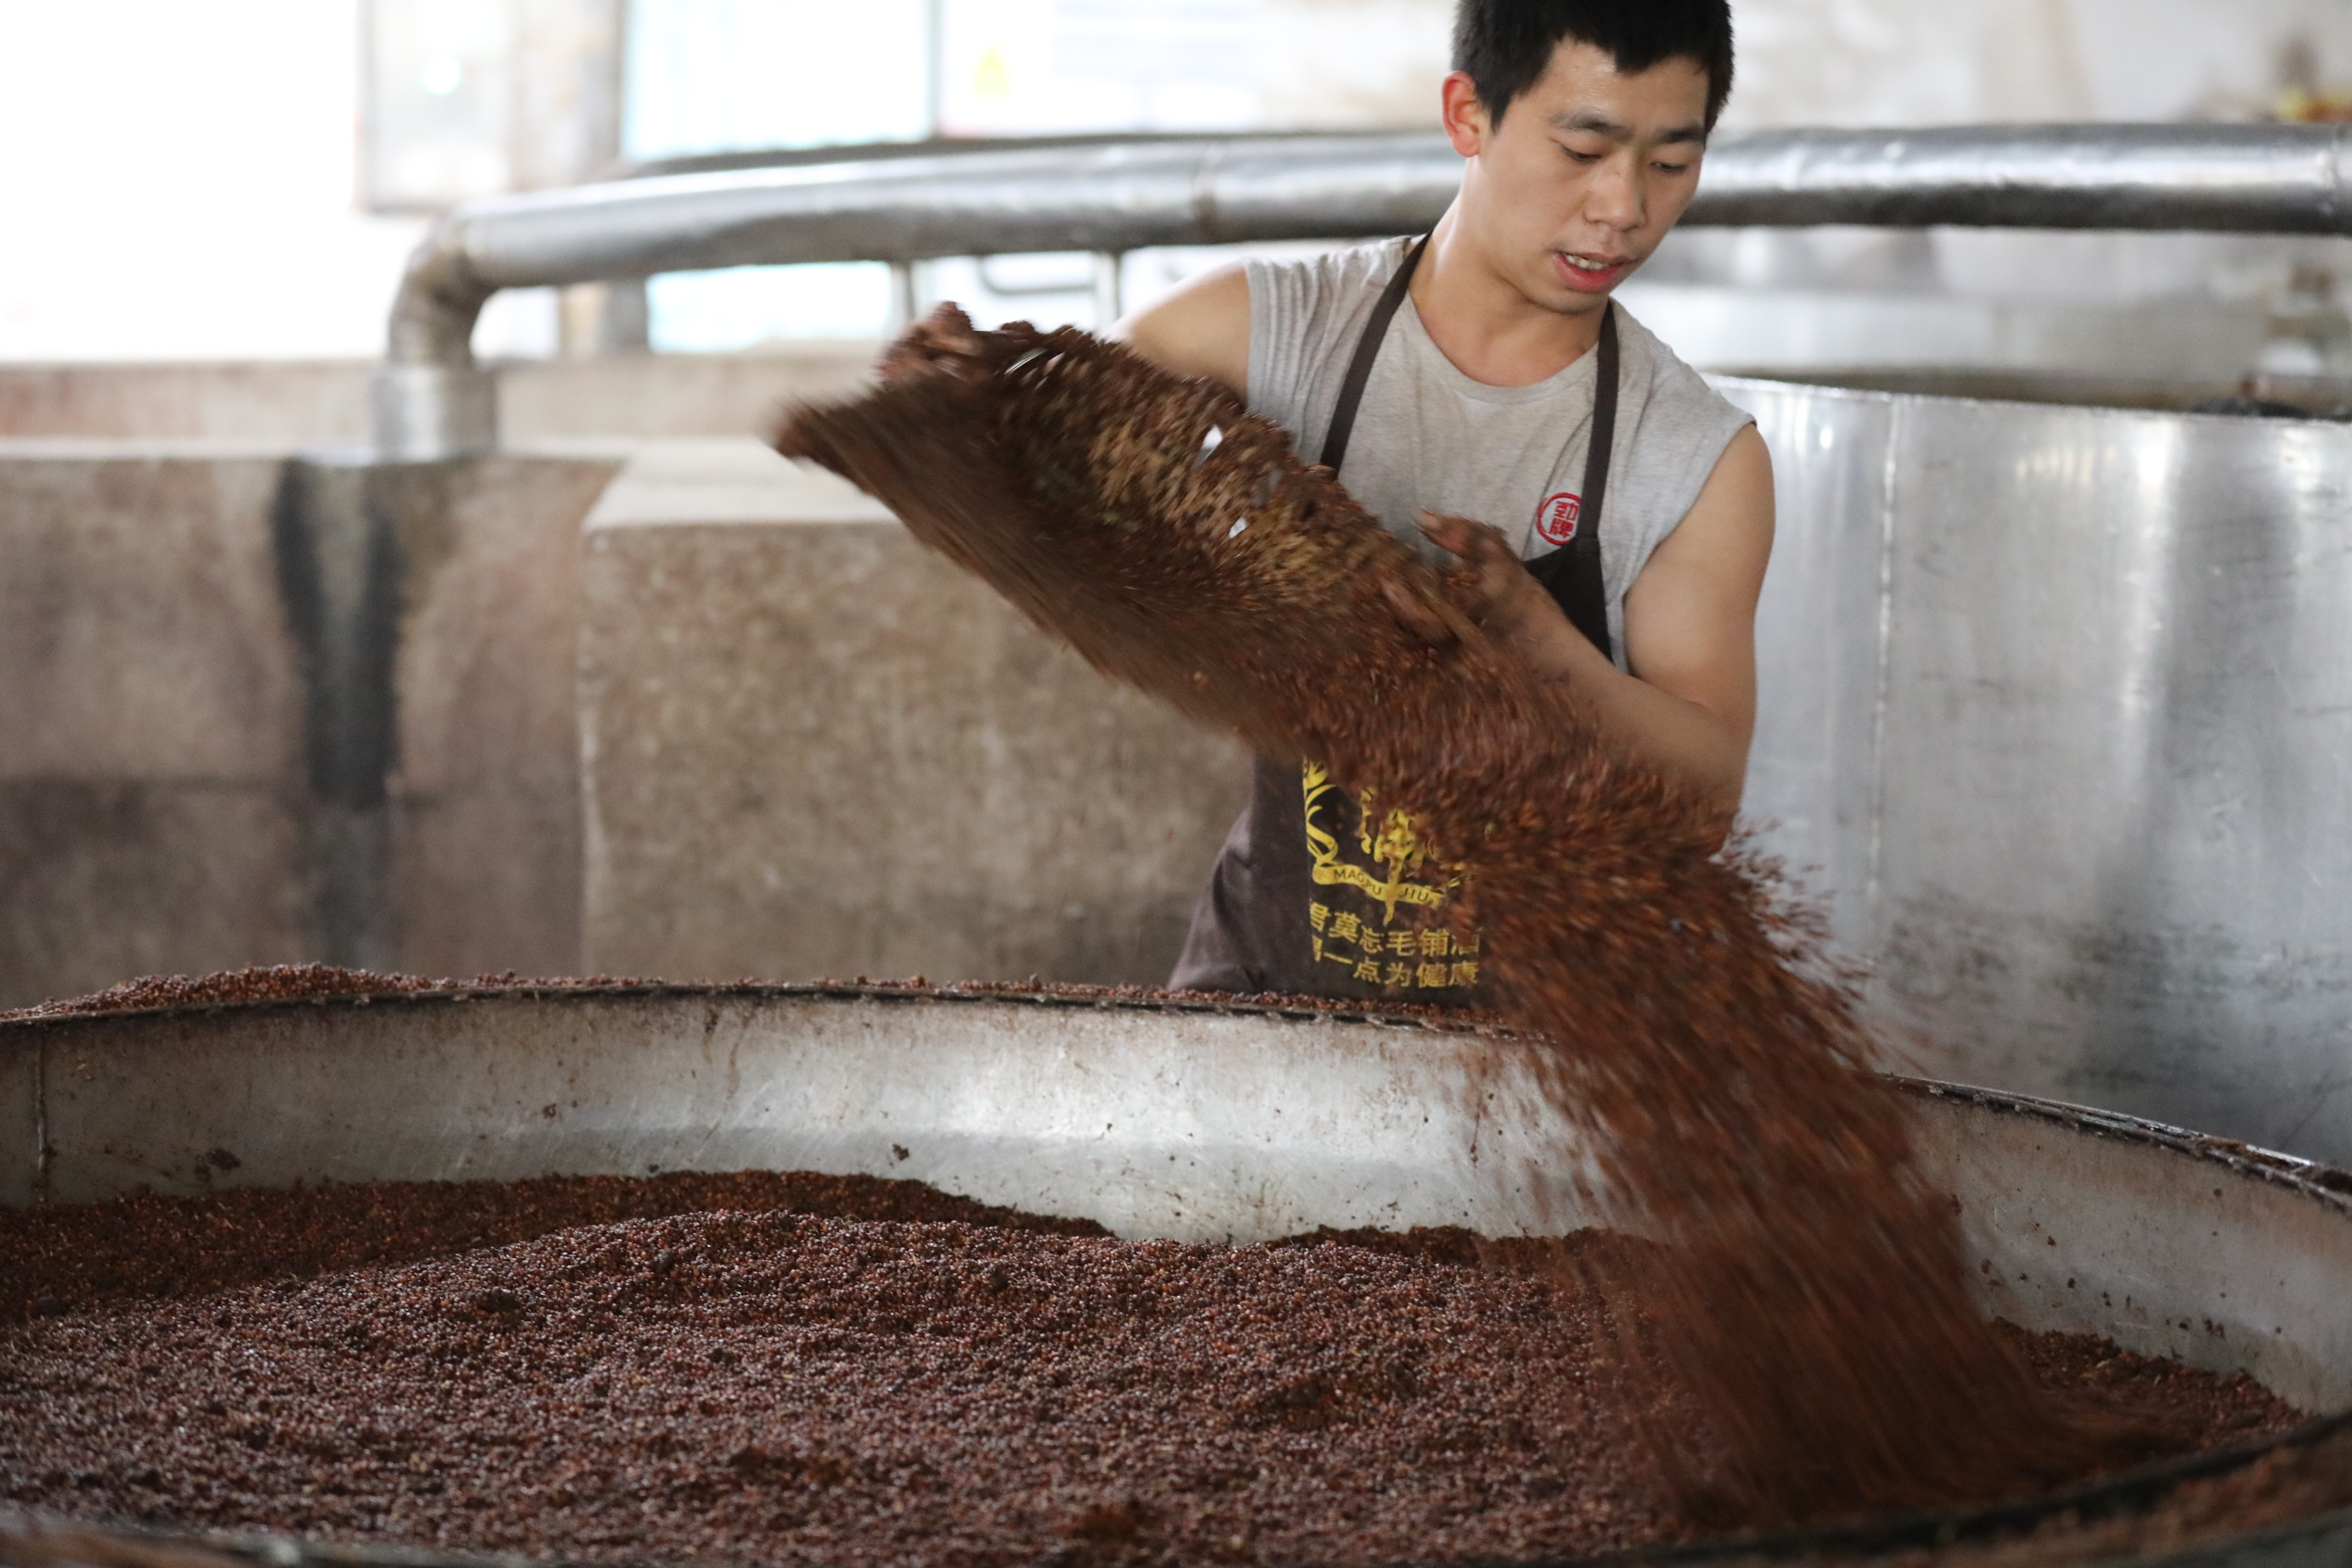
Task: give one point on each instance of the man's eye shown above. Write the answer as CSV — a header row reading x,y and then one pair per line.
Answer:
x,y
1576,156
1664,168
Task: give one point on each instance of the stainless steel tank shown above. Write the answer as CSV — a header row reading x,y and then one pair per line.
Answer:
x,y
2057,718
1156,1120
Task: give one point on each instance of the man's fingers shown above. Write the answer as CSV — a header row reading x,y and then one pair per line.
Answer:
x,y
1486,573
1480,544
1451,534
1436,620
1475,544
944,340
1415,614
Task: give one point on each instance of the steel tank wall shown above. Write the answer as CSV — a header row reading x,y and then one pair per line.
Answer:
x,y
1157,1118
2056,720
1176,1119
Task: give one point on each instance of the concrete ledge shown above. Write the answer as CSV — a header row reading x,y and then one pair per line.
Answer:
x,y
812,747
325,402
726,479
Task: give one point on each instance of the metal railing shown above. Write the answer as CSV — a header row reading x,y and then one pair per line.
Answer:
x,y
1123,194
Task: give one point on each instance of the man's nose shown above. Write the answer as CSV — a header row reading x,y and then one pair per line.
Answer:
x,y
1614,198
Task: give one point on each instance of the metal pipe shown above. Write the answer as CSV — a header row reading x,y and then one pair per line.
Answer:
x,y
1111,289
2246,179
1125,194
905,305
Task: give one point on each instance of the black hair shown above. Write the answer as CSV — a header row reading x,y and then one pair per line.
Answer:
x,y
1506,46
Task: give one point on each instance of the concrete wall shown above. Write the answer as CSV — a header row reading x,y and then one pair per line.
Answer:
x,y
171,798
484,794
814,748
149,723
260,707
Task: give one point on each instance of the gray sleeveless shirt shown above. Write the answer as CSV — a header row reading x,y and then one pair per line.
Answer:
x,y
1314,893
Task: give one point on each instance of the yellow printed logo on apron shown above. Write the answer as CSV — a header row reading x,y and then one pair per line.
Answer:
x,y
1372,867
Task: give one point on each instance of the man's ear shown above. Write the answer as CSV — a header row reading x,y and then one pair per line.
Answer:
x,y
1466,125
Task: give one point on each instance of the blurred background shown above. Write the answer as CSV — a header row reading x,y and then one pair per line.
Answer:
x,y
243,179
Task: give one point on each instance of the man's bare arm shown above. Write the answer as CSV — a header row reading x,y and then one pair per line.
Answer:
x,y
1201,329
1689,707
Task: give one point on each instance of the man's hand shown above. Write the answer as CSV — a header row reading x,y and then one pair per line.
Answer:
x,y
1431,614
1493,587
943,340
1689,706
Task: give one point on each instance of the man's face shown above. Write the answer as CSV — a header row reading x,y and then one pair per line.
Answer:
x,y
1585,174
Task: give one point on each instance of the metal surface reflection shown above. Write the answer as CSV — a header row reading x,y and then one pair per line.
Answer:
x,y
2056,722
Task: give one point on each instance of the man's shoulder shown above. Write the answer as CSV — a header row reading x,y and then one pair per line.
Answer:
x,y
1671,384
1328,274
1668,374
1305,311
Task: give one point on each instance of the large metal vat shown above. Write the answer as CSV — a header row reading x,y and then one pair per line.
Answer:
x,y
1189,1122
2057,716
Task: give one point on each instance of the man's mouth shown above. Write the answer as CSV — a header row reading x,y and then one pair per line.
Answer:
x,y
1579,270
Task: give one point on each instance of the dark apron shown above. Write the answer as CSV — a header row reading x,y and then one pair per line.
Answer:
x,y
1310,899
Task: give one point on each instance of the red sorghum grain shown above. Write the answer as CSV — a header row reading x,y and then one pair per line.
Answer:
x,y
766,1387
1813,1302
278,983
300,982
61,1259
254,983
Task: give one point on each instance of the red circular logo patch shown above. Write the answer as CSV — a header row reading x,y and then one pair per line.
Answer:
x,y
1556,518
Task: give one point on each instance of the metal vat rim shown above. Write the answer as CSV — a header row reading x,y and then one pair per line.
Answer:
x,y
2328,1185
1947,400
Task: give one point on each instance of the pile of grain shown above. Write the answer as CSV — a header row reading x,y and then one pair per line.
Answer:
x,y
836,1370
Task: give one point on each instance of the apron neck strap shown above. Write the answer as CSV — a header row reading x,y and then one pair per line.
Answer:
x,y
1367,348
1571,574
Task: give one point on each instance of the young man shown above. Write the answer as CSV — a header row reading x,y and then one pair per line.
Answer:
x,y
1625,511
